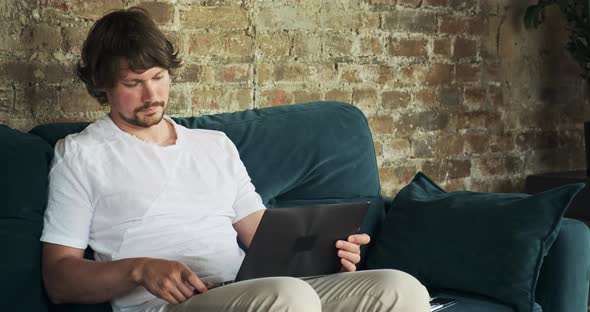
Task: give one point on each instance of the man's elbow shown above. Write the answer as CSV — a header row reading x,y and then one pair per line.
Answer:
x,y
54,294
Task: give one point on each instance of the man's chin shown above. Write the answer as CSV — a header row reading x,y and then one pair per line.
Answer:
x,y
145,120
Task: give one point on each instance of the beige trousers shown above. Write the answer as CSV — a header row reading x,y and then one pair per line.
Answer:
x,y
374,290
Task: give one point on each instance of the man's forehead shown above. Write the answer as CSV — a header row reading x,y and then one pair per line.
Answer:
x,y
125,71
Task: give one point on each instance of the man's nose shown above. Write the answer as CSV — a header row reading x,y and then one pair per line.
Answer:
x,y
149,92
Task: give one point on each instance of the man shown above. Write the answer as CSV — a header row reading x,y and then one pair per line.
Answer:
x,y
162,205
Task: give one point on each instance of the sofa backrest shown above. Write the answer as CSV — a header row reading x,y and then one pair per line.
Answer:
x,y
24,165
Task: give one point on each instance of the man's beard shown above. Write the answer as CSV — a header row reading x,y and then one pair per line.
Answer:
x,y
145,121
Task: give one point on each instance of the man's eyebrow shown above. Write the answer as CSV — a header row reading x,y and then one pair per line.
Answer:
x,y
140,80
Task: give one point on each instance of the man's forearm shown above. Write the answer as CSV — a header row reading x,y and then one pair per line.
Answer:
x,y
73,279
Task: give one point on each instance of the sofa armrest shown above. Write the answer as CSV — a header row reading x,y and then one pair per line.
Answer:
x,y
564,279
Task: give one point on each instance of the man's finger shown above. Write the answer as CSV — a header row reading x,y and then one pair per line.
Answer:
x,y
347,265
348,246
359,239
177,294
192,279
168,297
352,257
186,289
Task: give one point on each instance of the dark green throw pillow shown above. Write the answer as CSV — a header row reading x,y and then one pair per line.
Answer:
x,y
486,243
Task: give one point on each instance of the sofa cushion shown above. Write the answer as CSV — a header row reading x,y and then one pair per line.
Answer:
x,y
485,243
24,163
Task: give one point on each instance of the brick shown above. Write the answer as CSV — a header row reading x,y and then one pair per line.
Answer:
x,y
339,95
227,99
471,25
397,149
191,73
501,143
240,99
463,5
381,124
291,72
162,13
408,123
459,169
208,99
85,9
75,99
335,17
42,37
179,103
468,73
434,74
232,44
74,39
387,75
272,17
237,73
451,97
371,46
7,99
407,47
442,47
273,45
410,21
307,45
275,97
425,97
476,143
54,72
464,48
492,72
395,99
17,71
263,73
424,146
338,44
436,3
239,44
305,96
441,170
410,3
397,175
323,72
450,146
475,99
366,100
225,17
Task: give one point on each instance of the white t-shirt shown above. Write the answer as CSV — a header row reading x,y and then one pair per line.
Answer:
x,y
127,198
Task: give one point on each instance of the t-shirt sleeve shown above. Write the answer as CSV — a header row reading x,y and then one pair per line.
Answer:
x,y
69,210
247,200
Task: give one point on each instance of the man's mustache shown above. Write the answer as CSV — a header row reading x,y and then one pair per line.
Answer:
x,y
148,105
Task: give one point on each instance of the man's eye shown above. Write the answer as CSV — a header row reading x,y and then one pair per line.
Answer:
x,y
158,77
131,85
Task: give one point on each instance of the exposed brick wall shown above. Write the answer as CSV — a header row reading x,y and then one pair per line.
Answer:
x,y
455,88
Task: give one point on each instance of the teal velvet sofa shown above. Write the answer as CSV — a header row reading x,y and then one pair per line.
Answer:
x,y
310,153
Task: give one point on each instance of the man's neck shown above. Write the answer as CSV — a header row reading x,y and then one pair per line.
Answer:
x,y
162,133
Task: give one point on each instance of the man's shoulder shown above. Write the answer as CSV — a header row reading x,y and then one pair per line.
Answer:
x,y
95,135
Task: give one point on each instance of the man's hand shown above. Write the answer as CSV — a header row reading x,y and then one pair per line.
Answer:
x,y
170,280
350,251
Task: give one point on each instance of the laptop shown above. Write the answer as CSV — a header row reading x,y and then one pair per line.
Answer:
x,y
300,241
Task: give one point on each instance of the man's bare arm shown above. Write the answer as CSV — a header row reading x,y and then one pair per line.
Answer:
x,y
247,226
68,277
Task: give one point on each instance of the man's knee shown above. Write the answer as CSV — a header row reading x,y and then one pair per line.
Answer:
x,y
402,290
289,294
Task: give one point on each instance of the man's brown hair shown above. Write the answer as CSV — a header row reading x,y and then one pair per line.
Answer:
x,y
129,35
